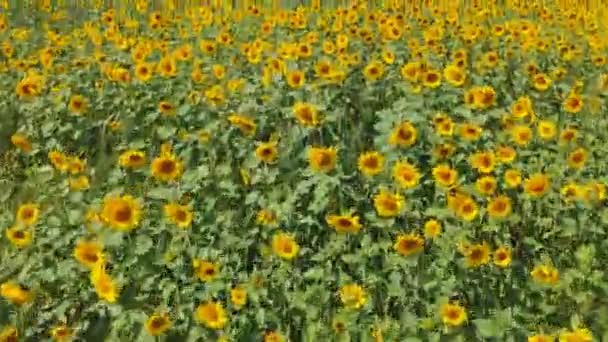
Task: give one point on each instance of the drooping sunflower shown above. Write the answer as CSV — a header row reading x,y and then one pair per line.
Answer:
x,y
285,246
122,213
371,163
89,253
166,167
157,324
179,215
245,124
273,336
345,223
322,159
105,286
166,108
353,296
409,244
454,75
211,314
9,334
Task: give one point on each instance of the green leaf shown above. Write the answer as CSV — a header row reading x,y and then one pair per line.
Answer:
x,y
486,327
143,244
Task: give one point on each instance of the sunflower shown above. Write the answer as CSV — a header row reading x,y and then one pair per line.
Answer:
x,y
443,151
166,167
466,208
306,114
29,87
132,159
486,185
502,257
483,161
577,158
453,315
285,246
76,165
568,135
322,159
157,324
167,66
546,129
166,108
573,104
409,244
19,236
512,178
296,79
477,255
105,286
541,338
245,124
373,71
470,131
576,335
338,326
22,142
352,296
537,184
541,82
345,223
122,213
431,79
411,71
403,135
388,204
521,134
27,214
144,71
432,229
179,215
324,68
266,217
9,334
444,175
15,293
238,296
545,274
454,75
59,160
89,253
211,314
218,71
273,336
522,108
444,126
483,97
499,207
571,191
78,104
205,270
406,175
267,152
371,163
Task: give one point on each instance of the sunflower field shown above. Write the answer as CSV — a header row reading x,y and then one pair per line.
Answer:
x,y
306,171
